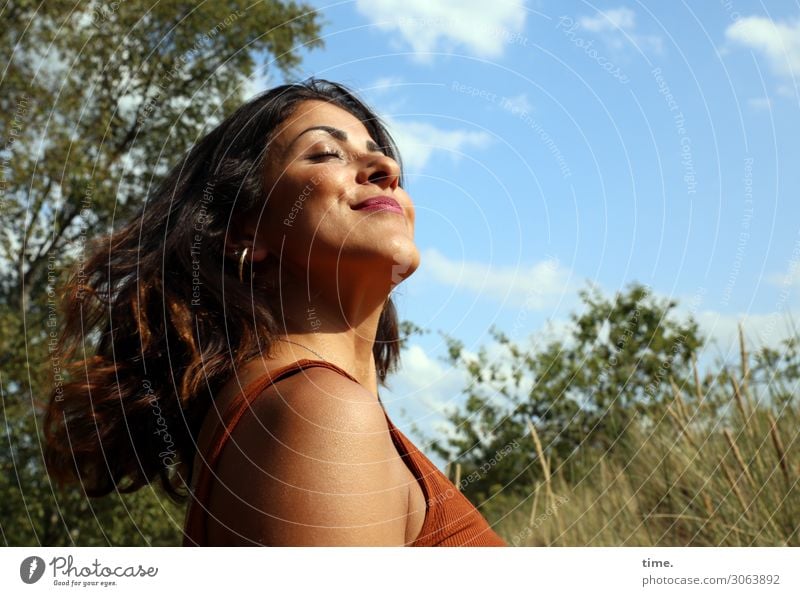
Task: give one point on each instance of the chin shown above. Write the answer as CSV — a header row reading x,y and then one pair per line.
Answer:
x,y
393,263
404,261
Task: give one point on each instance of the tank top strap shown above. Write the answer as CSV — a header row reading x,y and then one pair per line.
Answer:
x,y
210,449
256,386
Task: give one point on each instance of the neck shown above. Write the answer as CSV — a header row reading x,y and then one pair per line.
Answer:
x,y
338,323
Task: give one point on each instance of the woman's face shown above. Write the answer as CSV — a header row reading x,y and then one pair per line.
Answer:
x,y
320,166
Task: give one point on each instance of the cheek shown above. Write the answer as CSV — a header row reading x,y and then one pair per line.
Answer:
x,y
306,215
288,201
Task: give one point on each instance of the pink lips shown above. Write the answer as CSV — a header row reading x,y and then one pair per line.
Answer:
x,y
379,204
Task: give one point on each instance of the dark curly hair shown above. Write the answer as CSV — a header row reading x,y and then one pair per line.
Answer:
x,y
149,307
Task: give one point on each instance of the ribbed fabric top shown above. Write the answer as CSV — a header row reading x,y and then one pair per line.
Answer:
x,y
450,519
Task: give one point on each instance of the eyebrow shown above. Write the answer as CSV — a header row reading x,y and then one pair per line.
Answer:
x,y
336,134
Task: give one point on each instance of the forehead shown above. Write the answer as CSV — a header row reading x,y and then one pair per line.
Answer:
x,y
314,113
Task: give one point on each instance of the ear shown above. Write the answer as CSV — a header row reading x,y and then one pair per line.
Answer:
x,y
258,253
246,237
255,253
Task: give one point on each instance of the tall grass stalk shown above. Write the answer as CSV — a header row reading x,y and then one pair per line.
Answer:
x,y
681,477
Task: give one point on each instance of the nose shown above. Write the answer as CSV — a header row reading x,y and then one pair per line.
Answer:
x,y
380,169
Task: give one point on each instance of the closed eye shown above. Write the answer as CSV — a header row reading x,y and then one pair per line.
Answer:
x,y
326,154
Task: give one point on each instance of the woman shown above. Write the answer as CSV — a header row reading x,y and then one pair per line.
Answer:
x,y
242,323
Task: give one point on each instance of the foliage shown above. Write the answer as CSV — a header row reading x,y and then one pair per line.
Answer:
x,y
580,392
99,99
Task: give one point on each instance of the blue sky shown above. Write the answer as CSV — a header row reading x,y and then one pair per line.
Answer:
x,y
550,145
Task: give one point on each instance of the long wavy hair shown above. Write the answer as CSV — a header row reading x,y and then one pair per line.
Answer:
x,y
148,307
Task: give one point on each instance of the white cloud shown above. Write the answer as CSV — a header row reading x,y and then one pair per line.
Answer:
x,y
760,329
778,41
429,381
617,27
535,287
759,103
417,142
517,104
610,20
791,277
721,330
449,25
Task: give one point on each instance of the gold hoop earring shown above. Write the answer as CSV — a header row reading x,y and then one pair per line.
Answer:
x,y
241,264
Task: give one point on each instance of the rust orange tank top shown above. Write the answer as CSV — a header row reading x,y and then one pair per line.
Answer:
x,y
450,519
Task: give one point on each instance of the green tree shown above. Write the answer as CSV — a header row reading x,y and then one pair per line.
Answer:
x,y
579,392
98,99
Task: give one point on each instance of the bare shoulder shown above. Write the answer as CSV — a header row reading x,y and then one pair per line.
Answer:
x,y
323,396
311,463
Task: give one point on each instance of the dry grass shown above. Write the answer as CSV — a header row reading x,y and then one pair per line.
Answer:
x,y
687,479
